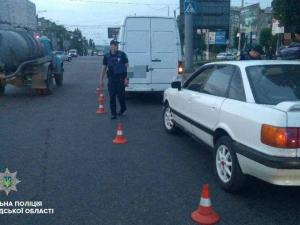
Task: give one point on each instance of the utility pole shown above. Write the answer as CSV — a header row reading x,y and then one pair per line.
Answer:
x,y
240,28
207,44
189,40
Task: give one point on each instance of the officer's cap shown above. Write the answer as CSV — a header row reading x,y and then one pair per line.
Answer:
x,y
114,42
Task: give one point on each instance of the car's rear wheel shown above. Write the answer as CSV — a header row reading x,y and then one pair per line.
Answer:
x,y
168,119
227,167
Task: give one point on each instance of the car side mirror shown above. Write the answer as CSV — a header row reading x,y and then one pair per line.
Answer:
x,y
176,84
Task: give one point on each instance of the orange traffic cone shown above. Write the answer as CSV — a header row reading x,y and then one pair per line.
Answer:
x,y
120,139
101,101
205,214
101,109
101,97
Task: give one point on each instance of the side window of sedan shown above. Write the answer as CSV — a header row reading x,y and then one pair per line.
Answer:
x,y
197,82
218,83
236,90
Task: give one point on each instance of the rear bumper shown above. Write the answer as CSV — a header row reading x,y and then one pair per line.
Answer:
x,y
272,169
276,162
147,87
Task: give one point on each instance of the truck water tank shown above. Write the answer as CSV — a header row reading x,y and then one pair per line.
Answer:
x,y
17,47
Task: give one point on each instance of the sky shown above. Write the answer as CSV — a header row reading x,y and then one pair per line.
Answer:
x,y
93,17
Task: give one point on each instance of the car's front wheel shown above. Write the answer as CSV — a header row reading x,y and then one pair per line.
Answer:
x,y
227,167
169,120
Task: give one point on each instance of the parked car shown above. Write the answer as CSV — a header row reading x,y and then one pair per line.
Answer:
x,y
100,53
226,56
154,53
73,53
248,112
63,55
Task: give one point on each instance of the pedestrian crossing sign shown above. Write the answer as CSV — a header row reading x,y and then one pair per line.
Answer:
x,y
189,7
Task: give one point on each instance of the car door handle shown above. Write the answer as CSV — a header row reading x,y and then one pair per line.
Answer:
x,y
156,60
148,69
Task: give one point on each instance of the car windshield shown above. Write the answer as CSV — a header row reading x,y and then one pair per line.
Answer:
x,y
272,84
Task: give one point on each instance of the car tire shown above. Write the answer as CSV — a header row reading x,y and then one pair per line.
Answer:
x,y
226,166
168,121
2,89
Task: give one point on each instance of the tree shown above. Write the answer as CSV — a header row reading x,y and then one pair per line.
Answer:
x,y
287,12
265,37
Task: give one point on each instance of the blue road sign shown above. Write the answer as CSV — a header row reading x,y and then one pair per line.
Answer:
x,y
220,38
189,6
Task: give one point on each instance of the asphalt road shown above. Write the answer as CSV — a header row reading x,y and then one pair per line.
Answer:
x,y
64,156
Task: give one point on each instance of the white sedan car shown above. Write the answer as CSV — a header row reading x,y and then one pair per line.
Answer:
x,y
248,112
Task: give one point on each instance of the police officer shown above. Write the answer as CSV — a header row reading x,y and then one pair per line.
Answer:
x,y
115,64
253,54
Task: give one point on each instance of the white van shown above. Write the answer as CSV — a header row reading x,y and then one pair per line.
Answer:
x,y
152,45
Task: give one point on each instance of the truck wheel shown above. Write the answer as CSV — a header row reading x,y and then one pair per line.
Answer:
x,y
227,168
2,89
49,82
59,80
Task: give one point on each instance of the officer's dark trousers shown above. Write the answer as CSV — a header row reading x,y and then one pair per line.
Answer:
x,y
116,89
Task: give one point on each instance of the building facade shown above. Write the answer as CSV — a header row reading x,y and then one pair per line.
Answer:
x,y
18,14
210,14
253,20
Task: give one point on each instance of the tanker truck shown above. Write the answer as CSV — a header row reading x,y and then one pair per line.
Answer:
x,y
28,61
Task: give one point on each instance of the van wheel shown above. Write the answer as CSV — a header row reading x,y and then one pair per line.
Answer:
x,y
227,168
2,89
169,121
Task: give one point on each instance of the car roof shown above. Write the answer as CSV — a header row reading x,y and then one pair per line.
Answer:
x,y
246,63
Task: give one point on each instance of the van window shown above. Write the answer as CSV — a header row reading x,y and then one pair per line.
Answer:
x,y
137,42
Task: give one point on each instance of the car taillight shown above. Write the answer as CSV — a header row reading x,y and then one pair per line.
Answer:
x,y
180,67
279,137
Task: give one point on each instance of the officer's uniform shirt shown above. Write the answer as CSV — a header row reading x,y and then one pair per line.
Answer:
x,y
115,63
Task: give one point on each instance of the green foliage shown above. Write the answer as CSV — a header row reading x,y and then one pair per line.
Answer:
x,y
287,12
65,39
265,37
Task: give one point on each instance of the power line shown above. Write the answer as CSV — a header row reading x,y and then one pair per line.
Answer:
x,y
123,3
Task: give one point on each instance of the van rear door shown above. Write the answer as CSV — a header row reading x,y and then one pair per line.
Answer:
x,y
137,48
165,50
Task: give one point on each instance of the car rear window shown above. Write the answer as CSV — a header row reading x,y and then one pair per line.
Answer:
x,y
272,84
